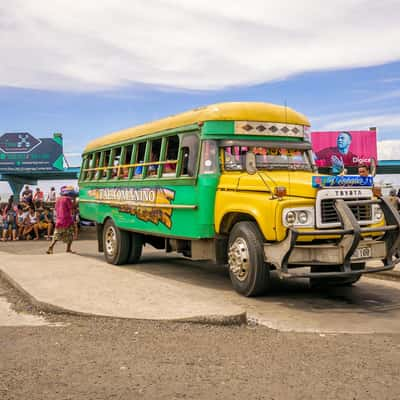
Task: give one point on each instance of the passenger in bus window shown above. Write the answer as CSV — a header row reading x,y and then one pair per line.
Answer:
x,y
169,168
105,164
124,172
152,169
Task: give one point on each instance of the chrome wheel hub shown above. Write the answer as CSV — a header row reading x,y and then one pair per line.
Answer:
x,y
111,241
238,259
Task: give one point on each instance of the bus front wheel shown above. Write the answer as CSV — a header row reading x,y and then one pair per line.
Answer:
x,y
248,271
115,244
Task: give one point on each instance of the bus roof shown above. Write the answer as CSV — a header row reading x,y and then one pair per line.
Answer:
x,y
234,111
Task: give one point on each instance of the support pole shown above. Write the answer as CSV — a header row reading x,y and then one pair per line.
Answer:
x,y
17,183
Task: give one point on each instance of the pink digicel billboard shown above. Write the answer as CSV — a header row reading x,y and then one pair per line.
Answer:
x,y
344,148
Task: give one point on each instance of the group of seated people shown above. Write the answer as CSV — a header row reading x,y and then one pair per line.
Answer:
x,y
23,222
31,217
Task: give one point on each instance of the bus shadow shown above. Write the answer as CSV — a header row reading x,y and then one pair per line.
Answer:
x,y
183,270
366,296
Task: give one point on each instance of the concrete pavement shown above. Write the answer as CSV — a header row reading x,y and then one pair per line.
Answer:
x,y
166,287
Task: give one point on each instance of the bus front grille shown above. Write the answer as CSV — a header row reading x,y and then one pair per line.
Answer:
x,y
362,212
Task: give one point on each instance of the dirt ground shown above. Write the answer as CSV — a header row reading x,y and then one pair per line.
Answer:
x,y
104,358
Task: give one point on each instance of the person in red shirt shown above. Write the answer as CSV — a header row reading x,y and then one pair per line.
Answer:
x,y
338,157
38,198
64,219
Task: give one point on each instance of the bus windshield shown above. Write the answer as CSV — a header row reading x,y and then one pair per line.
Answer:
x,y
267,158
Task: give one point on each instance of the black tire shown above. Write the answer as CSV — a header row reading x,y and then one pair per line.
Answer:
x,y
248,271
325,282
116,244
136,248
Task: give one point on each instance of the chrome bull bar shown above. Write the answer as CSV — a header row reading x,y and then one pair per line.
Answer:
x,y
288,254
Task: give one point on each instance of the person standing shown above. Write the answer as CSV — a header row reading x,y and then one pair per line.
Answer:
x,y
10,224
64,219
38,198
51,196
27,195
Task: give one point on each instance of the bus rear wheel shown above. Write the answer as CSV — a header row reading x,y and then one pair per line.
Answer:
x,y
116,244
248,271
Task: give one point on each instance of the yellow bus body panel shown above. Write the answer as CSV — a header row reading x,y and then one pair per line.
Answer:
x,y
240,193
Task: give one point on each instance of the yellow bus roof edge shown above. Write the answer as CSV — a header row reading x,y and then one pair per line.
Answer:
x,y
233,111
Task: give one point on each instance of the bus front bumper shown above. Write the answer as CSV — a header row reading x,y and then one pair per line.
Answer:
x,y
352,248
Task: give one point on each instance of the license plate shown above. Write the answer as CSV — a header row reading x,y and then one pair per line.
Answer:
x,y
362,252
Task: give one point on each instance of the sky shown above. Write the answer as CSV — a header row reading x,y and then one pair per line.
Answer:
x,y
89,68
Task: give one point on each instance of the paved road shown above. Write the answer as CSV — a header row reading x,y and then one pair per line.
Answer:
x,y
170,287
80,358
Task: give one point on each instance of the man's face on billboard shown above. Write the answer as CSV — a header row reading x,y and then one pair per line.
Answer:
x,y
343,141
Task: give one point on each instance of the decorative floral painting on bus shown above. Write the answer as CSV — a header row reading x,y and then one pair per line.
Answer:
x,y
148,204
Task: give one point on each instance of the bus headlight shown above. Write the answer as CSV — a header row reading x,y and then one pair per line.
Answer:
x,y
302,216
290,217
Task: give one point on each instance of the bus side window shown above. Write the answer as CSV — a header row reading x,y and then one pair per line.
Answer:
x,y
185,160
209,157
116,162
171,158
125,160
141,151
189,154
86,165
95,164
155,149
106,162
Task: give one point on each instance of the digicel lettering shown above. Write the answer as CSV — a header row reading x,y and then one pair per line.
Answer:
x,y
359,160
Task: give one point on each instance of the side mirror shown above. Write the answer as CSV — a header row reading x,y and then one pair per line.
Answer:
x,y
251,167
372,166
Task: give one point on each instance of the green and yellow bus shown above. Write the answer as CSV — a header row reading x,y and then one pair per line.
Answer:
x,y
234,183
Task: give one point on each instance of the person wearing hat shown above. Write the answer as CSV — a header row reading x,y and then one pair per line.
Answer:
x,y
64,229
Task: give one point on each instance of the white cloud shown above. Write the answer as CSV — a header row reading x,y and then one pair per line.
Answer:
x,y
392,94
389,150
72,154
103,44
390,80
384,121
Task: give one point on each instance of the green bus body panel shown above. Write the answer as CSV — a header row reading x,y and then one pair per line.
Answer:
x,y
195,196
210,128
191,223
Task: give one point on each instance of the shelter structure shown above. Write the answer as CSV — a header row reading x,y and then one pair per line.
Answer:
x,y
25,159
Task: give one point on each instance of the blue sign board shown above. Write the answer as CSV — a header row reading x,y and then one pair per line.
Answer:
x,y
20,151
341,180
